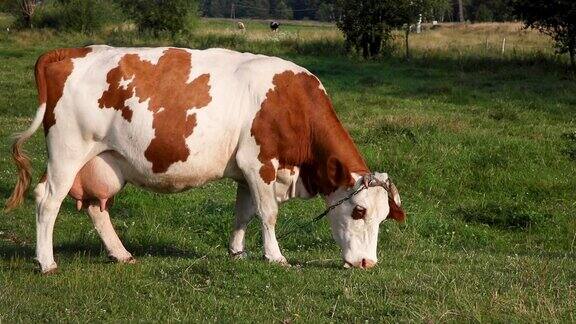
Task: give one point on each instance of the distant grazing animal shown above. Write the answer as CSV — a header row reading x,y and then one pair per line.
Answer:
x,y
170,119
274,25
241,26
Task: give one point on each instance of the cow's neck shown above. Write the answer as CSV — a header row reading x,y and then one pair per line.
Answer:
x,y
330,142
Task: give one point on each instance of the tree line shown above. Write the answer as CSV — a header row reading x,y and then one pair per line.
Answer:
x,y
324,10
327,10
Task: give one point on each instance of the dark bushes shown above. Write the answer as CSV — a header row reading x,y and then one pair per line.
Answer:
x,y
87,16
161,16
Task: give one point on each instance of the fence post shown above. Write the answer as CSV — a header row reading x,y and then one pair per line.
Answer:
x,y
503,45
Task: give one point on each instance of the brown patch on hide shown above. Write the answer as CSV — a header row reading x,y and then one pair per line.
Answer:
x,y
267,172
171,97
51,71
297,125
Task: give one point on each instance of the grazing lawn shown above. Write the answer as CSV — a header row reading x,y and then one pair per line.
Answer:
x,y
482,147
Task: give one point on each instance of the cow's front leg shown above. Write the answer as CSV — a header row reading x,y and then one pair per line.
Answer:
x,y
267,208
268,212
244,209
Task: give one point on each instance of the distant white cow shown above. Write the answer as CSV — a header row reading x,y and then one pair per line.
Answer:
x,y
170,119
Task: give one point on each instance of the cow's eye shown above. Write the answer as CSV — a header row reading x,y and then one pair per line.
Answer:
x,y
359,212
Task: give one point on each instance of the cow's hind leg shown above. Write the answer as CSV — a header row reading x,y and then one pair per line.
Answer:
x,y
114,247
49,197
244,209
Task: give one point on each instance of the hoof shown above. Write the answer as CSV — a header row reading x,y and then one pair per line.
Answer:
x,y
128,260
241,255
279,261
50,271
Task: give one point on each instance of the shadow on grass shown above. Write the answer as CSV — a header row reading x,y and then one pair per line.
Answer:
x,y
156,249
333,264
11,248
498,215
12,251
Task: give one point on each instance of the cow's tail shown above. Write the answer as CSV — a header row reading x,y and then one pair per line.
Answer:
x,y
22,161
18,155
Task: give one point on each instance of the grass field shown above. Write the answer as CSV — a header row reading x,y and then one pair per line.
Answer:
x,y
481,145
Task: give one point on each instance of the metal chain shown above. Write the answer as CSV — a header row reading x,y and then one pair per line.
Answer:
x,y
326,211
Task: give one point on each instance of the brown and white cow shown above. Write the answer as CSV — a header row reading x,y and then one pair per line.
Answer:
x,y
169,119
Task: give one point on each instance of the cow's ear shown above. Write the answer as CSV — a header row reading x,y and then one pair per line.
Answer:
x,y
396,211
338,174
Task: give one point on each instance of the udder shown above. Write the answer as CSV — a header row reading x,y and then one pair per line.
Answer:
x,y
97,182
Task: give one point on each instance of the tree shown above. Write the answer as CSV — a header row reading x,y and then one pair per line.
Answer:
x,y
487,10
298,5
325,12
253,8
170,16
86,16
460,11
282,11
364,24
408,12
556,18
218,8
23,9
483,13
27,8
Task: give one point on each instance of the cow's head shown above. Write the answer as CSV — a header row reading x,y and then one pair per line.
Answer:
x,y
355,222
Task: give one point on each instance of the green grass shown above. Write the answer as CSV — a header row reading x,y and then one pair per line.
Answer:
x,y
482,149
